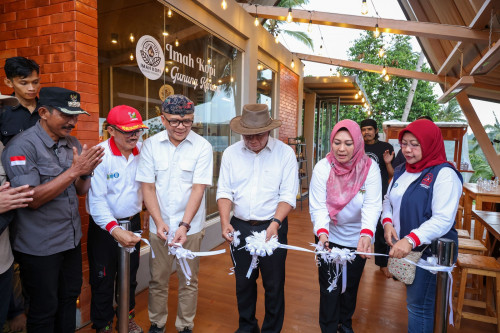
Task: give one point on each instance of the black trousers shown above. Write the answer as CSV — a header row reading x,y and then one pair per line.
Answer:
x,y
5,293
380,246
272,269
52,284
104,255
336,308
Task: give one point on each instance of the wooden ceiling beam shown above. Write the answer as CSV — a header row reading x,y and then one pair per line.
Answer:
x,y
418,29
481,20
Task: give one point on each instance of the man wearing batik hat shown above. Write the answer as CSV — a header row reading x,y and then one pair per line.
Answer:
x,y
175,167
114,195
46,234
259,177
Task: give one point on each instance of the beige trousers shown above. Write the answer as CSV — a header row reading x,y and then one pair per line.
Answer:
x,y
160,269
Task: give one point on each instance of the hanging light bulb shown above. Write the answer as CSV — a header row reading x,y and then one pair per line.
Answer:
x,y
310,26
338,74
223,4
209,61
381,52
356,96
220,81
387,77
376,33
293,64
364,7
176,41
256,22
384,71
365,105
369,112
320,51
331,71
131,37
363,100
169,13
114,38
131,56
259,67
165,33
166,69
232,79
276,40
289,16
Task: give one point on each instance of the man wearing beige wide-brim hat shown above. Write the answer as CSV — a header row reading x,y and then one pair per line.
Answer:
x,y
258,175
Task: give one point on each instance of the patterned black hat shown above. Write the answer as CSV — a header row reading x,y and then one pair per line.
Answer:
x,y
178,105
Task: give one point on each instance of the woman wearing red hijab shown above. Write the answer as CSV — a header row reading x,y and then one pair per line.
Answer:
x,y
344,201
420,207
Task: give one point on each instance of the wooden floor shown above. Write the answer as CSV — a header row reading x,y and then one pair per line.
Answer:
x,y
381,303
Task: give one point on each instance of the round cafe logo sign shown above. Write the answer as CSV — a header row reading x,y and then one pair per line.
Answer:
x,y
150,58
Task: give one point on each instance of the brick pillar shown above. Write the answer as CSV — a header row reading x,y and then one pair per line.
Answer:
x,y
61,36
289,95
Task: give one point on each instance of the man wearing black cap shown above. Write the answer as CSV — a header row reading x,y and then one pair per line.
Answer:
x,y
175,167
382,153
46,235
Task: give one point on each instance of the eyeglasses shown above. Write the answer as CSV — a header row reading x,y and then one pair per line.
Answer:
x,y
129,134
177,122
411,145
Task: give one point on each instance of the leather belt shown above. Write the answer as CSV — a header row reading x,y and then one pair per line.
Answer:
x,y
255,223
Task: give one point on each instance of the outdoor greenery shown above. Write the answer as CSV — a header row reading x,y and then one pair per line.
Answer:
x,y
388,98
477,159
275,27
450,112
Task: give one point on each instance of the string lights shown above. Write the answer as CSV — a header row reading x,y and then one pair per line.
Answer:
x,y
376,33
289,16
256,22
381,52
293,64
223,4
276,40
309,26
169,13
176,41
131,37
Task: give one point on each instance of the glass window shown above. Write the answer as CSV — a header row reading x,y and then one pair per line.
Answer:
x,y
197,64
265,86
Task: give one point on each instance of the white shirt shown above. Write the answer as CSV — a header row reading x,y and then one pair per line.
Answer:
x,y
256,183
114,194
446,194
174,170
360,215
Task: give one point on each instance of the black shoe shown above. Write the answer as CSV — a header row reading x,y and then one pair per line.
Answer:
x,y
186,330
156,329
344,329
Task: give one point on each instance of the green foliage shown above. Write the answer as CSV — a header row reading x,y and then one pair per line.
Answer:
x,y
451,112
274,27
477,158
388,98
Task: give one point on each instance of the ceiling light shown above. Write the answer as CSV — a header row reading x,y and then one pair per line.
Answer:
x,y
169,13
381,52
131,37
338,74
310,26
223,4
387,77
114,38
293,64
176,41
166,69
131,56
384,71
256,22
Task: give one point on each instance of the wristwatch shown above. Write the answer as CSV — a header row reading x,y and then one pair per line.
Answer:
x,y
186,225
277,221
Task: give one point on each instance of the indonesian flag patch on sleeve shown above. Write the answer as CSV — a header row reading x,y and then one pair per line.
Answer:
x,y
17,160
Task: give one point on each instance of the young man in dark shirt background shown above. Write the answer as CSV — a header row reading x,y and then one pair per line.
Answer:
x,y
382,153
22,75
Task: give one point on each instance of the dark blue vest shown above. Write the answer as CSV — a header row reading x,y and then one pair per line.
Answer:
x,y
416,204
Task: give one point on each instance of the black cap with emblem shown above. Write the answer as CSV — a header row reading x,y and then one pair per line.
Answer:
x,y
64,100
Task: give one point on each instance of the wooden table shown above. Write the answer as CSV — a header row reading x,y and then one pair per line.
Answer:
x,y
472,192
491,221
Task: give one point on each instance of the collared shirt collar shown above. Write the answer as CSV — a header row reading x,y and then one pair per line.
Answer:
x,y
165,137
271,143
20,106
46,139
116,151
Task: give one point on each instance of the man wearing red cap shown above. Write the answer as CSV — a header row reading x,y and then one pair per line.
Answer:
x,y
114,195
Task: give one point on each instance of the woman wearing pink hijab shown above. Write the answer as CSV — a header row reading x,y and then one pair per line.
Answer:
x,y
345,201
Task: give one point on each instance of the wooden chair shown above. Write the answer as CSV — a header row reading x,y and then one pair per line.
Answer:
x,y
462,233
459,217
471,246
481,266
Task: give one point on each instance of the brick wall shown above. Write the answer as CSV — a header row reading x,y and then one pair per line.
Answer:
x,y
288,95
61,36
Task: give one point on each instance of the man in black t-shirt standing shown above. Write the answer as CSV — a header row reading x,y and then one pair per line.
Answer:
x,y
382,153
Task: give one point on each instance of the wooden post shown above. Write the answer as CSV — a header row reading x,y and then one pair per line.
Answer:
x,y
482,138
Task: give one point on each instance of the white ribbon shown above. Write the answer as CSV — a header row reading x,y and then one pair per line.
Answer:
x,y
132,249
257,245
234,244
